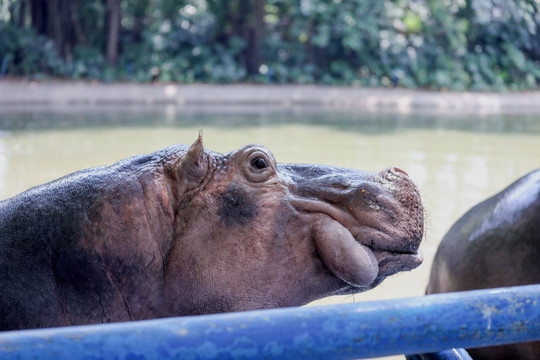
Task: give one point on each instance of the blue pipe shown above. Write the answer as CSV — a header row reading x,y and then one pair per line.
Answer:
x,y
404,326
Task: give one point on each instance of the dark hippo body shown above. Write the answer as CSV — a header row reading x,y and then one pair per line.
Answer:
x,y
187,231
495,244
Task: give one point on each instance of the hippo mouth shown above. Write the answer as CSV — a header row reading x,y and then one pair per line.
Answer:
x,y
367,230
358,259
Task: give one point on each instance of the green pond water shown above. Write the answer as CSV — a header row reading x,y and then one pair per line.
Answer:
x,y
456,159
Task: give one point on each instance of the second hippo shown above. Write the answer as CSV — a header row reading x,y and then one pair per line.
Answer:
x,y
186,231
495,244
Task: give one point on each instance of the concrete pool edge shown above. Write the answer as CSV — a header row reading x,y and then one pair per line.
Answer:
x,y
37,94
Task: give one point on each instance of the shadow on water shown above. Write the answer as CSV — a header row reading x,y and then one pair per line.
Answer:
x,y
242,117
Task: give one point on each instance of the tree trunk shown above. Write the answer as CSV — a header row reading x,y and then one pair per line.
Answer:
x,y
22,14
255,36
114,14
138,17
39,16
52,18
54,24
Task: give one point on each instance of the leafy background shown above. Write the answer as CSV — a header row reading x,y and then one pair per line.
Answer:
x,y
444,45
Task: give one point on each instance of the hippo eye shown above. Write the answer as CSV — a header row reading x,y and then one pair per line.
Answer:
x,y
259,163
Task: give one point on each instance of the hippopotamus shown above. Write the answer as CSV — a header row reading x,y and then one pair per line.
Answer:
x,y
188,231
495,244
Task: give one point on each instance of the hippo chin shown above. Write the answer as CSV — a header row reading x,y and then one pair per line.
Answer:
x,y
187,231
495,244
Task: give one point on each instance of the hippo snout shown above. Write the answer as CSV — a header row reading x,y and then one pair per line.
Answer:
x,y
407,211
371,224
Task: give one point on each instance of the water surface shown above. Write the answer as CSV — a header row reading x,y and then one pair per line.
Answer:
x,y
456,159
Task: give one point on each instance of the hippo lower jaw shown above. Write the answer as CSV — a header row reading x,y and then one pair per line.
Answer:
x,y
393,262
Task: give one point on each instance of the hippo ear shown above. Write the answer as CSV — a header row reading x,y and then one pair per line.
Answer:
x,y
194,165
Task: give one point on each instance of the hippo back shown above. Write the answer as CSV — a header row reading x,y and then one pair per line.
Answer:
x,y
40,251
495,244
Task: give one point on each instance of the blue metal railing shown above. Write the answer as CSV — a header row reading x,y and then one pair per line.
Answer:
x,y
349,331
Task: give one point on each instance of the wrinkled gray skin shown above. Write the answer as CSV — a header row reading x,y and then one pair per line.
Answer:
x,y
495,244
189,231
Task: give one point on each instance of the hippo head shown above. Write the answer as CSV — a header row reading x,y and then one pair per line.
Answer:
x,y
250,233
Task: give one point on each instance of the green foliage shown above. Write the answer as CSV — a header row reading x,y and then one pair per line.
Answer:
x,y
26,54
454,44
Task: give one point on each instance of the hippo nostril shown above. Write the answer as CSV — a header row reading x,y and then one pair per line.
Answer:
x,y
395,169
